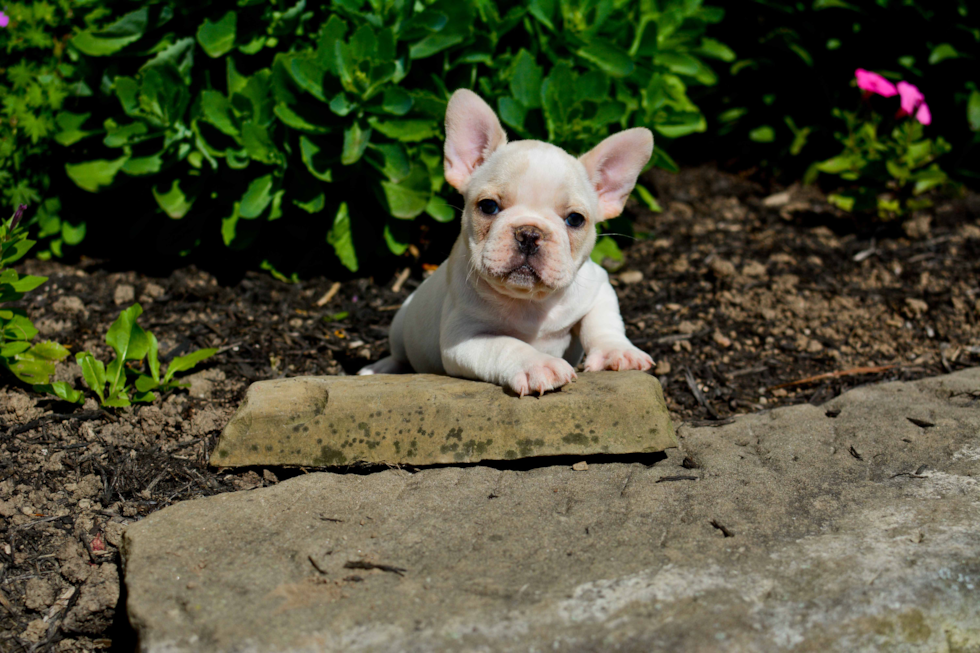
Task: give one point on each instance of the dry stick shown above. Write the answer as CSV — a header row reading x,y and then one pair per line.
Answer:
x,y
834,375
696,391
402,278
334,289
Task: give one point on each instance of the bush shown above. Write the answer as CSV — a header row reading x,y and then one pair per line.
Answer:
x,y
35,86
775,105
237,119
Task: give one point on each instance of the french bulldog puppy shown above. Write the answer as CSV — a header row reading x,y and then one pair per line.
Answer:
x,y
518,300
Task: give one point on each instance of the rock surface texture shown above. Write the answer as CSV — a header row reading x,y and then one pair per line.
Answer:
x,y
423,419
847,527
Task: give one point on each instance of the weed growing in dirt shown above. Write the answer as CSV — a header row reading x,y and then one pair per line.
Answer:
x,y
893,167
30,363
111,383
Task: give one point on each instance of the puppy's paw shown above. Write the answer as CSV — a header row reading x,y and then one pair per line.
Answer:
x,y
542,375
617,359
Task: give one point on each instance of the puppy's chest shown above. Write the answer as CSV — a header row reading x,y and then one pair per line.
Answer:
x,y
541,330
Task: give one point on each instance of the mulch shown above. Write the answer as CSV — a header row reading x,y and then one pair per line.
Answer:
x,y
746,297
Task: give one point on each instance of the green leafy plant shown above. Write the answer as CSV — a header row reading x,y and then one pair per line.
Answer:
x,y
35,85
893,168
246,116
113,383
31,363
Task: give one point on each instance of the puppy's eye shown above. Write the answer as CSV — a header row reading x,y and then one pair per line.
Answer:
x,y
489,207
575,220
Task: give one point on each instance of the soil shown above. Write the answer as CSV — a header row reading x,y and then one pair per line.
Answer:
x,y
748,298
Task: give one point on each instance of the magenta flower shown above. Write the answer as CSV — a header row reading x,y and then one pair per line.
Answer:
x,y
874,83
913,103
4,19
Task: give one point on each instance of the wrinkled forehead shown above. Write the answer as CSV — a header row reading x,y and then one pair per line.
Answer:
x,y
533,173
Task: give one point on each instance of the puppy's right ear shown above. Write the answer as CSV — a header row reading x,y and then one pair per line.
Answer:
x,y
473,132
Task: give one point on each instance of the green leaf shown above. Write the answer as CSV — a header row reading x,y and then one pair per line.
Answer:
x,y
973,111
409,197
257,198
763,134
609,58
309,151
61,390
173,202
647,198
259,144
440,210
145,383
356,141
93,175
606,247
341,105
145,397
129,341
511,112
716,50
218,38
187,362
396,239
117,399
292,118
71,127
682,125
93,373
218,111
434,44
115,37
152,357
31,370
525,82
25,283
942,52
49,350
396,101
120,135
163,97
678,62
144,165
341,238
407,131
843,202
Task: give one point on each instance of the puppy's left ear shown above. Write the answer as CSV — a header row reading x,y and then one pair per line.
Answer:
x,y
613,166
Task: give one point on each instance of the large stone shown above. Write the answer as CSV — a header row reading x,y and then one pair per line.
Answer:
x,y
849,527
422,419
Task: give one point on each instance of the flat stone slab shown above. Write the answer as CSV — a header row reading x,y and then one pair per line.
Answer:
x,y
847,527
422,419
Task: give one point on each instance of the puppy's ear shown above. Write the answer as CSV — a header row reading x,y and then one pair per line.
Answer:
x,y
613,166
473,132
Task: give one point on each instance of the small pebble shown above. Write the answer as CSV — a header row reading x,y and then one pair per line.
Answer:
x,y
631,276
580,466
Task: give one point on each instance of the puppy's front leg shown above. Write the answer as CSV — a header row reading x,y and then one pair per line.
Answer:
x,y
503,360
604,340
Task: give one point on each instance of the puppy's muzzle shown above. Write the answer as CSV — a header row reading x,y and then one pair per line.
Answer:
x,y
527,239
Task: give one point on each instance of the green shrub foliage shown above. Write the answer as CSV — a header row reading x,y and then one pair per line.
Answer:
x,y
233,116
35,85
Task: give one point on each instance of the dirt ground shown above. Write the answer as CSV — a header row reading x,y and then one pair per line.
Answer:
x,y
748,298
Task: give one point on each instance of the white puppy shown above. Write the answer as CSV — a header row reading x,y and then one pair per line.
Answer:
x,y
518,300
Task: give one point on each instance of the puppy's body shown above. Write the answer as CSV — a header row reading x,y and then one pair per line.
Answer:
x,y
519,300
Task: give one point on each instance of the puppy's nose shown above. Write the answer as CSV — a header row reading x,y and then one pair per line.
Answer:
x,y
527,239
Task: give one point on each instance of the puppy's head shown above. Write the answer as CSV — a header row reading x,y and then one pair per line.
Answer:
x,y
529,221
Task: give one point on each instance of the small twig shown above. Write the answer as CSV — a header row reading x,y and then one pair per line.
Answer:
x,y
664,479
327,296
724,531
402,278
712,423
316,566
696,391
854,371
84,415
364,564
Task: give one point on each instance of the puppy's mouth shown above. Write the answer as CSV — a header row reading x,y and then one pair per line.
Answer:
x,y
523,276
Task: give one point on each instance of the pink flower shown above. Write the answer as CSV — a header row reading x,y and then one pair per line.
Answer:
x,y
4,19
911,97
913,103
874,83
923,115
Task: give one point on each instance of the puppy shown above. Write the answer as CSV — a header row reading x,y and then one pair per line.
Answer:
x,y
518,300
